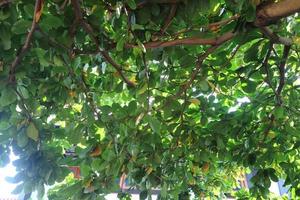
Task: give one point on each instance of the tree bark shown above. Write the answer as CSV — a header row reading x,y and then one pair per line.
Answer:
x,y
271,13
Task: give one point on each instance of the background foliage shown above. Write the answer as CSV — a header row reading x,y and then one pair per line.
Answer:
x,y
177,95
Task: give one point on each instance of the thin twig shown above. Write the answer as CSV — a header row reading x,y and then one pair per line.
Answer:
x,y
265,65
169,18
90,31
281,69
26,46
193,76
275,38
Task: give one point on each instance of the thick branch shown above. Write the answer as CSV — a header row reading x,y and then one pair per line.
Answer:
x,y
90,31
270,13
188,41
26,46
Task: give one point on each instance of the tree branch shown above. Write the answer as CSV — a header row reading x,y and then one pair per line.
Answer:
x,y
4,2
270,13
275,38
169,18
281,68
145,2
187,41
193,76
265,65
26,46
105,54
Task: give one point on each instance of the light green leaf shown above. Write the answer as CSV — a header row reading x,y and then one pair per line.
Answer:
x,y
32,132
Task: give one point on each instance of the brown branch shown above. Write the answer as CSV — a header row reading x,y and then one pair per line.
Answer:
x,y
223,22
209,26
5,2
90,31
281,69
187,41
265,65
271,13
275,38
145,2
26,46
193,76
169,18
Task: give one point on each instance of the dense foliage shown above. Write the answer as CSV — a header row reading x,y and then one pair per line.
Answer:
x,y
179,95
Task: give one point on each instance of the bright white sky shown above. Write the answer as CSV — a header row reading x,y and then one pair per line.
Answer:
x,y
5,187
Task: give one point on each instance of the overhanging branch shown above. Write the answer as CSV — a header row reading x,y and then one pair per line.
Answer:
x,y
188,41
90,31
26,46
270,13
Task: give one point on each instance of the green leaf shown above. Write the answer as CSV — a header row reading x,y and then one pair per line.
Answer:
x,y
120,44
51,22
131,4
20,27
22,139
4,125
154,123
249,86
29,9
41,53
279,112
203,85
32,132
5,37
164,190
8,96
143,195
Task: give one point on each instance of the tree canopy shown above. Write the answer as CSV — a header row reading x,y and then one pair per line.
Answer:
x,y
179,95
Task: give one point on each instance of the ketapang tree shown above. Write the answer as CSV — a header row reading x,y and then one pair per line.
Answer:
x,y
178,95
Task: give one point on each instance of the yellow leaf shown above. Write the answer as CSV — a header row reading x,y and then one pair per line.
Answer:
x,y
142,89
116,74
149,170
133,79
94,8
205,167
195,101
96,151
296,40
32,132
271,134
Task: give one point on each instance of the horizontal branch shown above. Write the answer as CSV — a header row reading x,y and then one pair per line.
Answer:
x,y
145,2
187,41
271,13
